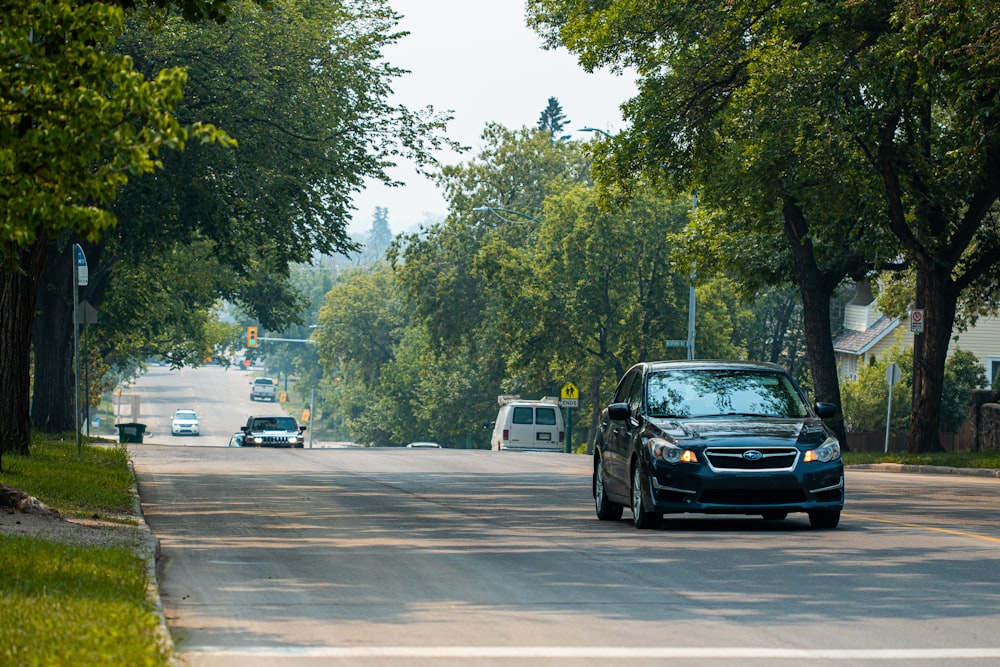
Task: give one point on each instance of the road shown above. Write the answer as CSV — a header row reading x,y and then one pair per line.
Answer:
x,y
452,557
221,397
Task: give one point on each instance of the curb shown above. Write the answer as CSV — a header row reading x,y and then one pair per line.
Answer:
x,y
149,550
922,469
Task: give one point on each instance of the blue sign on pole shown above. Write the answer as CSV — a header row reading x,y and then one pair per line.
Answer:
x,y
82,272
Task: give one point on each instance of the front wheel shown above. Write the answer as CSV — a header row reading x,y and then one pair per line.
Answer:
x,y
824,519
640,517
607,510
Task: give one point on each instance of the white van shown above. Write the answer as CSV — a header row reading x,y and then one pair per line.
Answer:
x,y
529,426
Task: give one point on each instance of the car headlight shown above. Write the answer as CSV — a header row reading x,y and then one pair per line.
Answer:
x,y
828,451
663,450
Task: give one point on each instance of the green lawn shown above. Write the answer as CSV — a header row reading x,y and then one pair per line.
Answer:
x,y
68,604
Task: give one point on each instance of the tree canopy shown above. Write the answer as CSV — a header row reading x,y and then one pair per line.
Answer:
x,y
868,131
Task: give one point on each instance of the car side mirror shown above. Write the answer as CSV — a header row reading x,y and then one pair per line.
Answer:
x,y
619,411
826,410
302,429
244,429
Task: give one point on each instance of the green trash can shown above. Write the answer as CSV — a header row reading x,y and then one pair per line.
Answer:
x,y
130,433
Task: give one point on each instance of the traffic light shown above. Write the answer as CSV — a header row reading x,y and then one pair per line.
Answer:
x,y
251,336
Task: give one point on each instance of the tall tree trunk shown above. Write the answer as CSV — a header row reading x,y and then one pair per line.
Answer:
x,y
18,287
937,294
53,394
817,291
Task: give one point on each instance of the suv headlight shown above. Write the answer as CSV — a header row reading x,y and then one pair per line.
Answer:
x,y
663,450
828,451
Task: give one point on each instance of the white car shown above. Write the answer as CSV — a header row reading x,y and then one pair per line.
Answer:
x,y
185,422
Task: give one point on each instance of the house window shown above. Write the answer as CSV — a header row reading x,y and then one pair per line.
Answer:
x,y
992,370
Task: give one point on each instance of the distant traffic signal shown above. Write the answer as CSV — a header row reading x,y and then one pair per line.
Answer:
x,y
251,336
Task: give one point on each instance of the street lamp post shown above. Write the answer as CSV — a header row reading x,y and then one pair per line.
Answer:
x,y
495,209
595,129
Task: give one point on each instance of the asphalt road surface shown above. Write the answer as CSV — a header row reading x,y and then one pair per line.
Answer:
x,y
388,556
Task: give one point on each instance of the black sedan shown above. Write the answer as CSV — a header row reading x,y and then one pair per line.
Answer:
x,y
715,437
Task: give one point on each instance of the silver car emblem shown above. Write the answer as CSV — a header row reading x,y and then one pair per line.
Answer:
x,y
752,455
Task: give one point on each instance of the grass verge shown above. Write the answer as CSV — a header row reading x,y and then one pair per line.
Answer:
x,y
947,459
70,604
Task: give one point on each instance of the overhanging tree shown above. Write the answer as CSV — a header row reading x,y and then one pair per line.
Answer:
x,y
895,103
78,122
303,88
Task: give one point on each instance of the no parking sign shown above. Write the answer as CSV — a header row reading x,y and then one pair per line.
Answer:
x,y
917,320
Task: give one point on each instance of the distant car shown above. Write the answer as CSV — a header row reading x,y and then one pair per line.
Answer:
x,y
423,445
715,438
263,389
236,439
185,422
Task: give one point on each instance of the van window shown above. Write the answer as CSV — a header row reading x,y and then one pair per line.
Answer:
x,y
545,416
522,415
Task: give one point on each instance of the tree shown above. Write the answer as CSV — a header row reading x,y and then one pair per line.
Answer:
x,y
825,110
553,120
379,236
69,138
282,196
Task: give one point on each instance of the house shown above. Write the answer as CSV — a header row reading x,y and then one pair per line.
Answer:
x,y
869,334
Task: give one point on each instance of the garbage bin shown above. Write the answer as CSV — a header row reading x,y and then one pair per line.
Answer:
x,y
130,433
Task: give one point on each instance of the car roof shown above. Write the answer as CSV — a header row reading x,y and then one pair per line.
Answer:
x,y
708,364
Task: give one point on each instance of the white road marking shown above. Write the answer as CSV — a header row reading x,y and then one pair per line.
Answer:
x,y
581,652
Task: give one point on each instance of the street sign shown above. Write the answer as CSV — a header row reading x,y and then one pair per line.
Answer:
x,y
675,343
917,320
569,391
892,374
569,402
82,272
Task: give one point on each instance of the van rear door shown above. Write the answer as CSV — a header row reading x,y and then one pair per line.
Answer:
x,y
535,427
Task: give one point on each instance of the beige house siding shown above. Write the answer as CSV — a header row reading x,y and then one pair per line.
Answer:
x,y
983,340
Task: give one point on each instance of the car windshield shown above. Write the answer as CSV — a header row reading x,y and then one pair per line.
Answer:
x,y
722,392
275,424
185,414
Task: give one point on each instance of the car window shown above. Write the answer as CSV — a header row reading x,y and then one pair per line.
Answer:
x,y
718,392
523,415
621,394
634,396
263,381
286,424
185,414
545,416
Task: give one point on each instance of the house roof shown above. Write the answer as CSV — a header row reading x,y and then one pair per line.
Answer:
x,y
859,342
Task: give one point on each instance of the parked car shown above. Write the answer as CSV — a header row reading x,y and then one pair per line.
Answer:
x,y
273,431
185,422
715,438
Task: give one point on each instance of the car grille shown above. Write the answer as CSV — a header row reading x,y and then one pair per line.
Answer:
x,y
277,440
760,458
753,496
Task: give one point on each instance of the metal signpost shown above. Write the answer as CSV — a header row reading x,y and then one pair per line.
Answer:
x,y
891,377
81,277
569,398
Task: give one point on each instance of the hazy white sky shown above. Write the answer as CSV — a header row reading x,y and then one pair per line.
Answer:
x,y
479,60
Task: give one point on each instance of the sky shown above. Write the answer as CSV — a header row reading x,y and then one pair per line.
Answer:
x,y
478,59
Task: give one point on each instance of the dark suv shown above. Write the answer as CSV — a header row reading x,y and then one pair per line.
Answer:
x,y
715,437
277,431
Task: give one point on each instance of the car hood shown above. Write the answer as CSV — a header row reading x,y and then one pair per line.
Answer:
x,y
744,431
